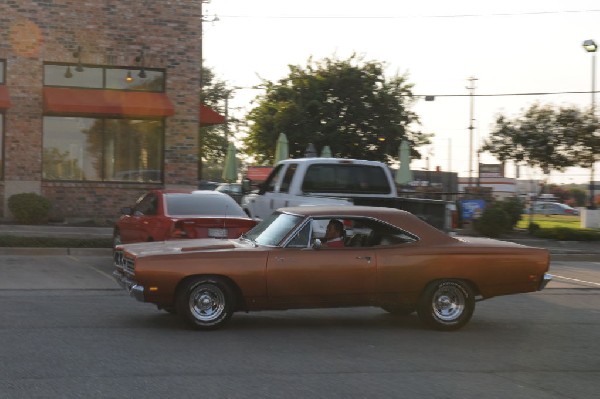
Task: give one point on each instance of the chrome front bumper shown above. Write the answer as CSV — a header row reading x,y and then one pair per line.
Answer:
x,y
545,280
135,290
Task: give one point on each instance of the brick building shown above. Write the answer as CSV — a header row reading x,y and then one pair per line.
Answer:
x,y
99,101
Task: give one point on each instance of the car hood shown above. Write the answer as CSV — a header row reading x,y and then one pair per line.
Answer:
x,y
184,246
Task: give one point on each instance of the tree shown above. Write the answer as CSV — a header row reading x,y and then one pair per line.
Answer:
x,y
212,140
347,105
546,137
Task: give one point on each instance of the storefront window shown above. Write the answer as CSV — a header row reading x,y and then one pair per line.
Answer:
x,y
98,149
67,75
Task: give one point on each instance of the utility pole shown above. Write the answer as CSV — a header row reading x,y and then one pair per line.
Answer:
x,y
471,88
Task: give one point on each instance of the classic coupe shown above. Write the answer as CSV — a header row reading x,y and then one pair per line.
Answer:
x,y
391,259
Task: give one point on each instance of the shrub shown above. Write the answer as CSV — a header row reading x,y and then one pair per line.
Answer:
x,y
568,234
514,208
29,208
494,221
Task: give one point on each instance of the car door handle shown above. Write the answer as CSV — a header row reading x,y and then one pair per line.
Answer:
x,y
367,258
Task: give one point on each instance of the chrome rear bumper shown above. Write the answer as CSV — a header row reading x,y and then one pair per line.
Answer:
x,y
545,280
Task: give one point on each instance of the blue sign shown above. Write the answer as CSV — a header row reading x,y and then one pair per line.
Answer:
x,y
471,209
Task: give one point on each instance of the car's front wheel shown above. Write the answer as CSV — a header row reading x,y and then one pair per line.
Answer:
x,y
446,304
205,303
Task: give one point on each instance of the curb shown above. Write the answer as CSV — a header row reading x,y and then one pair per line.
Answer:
x,y
25,251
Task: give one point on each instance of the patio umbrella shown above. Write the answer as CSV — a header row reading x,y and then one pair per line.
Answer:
x,y
310,151
230,168
326,152
281,148
404,174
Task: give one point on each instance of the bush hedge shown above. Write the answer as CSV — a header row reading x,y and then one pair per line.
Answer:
x,y
29,208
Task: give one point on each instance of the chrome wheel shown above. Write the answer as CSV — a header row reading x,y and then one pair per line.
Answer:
x,y
446,304
207,302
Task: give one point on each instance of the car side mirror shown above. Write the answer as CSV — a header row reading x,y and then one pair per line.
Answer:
x,y
317,244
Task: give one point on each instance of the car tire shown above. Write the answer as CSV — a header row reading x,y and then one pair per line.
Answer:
x,y
446,305
205,303
398,310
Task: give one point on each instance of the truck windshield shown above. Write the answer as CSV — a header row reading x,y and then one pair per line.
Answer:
x,y
273,229
345,178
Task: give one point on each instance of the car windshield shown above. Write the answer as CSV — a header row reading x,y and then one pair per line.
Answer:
x,y
202,205
273,229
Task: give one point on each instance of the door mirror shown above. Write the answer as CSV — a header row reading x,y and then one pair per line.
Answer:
x,y
246,186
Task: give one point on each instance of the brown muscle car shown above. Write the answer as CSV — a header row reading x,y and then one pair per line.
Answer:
x,y
391,259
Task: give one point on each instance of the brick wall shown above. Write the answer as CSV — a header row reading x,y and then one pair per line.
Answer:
x,y
110,32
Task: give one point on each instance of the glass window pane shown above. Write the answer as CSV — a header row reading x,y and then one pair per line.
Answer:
x,y
130,79
63,75
133,150
72,148
202,204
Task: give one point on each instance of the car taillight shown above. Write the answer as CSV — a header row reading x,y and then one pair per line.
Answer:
x,y
179,230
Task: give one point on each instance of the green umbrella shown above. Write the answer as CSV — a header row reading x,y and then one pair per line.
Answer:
x,y
230,173
404,174
326,152
281,148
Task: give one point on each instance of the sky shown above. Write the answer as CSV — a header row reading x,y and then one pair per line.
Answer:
x,y
510,47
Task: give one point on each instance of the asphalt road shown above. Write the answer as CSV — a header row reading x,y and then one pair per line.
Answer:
x,y
67,331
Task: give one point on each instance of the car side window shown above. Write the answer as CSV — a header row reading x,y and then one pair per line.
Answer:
x,y
287,178
302,238
148,205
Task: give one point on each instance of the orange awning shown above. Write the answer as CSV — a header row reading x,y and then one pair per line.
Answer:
x,y
209,117
4,97
62,100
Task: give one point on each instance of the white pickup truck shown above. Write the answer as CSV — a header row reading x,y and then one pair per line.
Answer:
x,y
333,181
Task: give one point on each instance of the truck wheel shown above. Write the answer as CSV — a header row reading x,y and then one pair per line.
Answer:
x,y
205,303
446,305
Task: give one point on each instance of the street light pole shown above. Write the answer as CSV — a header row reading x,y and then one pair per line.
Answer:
x,y
591,47
471,87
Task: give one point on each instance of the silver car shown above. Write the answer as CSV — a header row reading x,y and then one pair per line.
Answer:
x,y
553,208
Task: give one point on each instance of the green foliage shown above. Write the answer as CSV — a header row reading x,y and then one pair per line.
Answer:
x,y
212,140
567,234
29,208
513,206
546,137
348,105
494,221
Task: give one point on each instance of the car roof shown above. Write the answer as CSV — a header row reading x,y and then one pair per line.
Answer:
x,y
402,219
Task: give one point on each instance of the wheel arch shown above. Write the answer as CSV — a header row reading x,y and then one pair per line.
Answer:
x,y
240,303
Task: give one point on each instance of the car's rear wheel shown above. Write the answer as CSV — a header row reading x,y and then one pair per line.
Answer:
x,y
446,305
205,303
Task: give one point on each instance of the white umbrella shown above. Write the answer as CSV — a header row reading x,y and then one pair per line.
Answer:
x,y
281,148
404,174
326,152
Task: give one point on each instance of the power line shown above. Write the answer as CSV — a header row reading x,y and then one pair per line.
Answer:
x,y
534,13
506,94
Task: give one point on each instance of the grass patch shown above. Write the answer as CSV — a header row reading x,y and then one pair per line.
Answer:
x,y
558,227
550,221
54,242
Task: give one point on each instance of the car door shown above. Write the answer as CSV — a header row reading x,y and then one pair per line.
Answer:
x,y
301,276
136,227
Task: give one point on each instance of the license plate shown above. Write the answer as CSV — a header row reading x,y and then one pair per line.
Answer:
x,y
217,233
